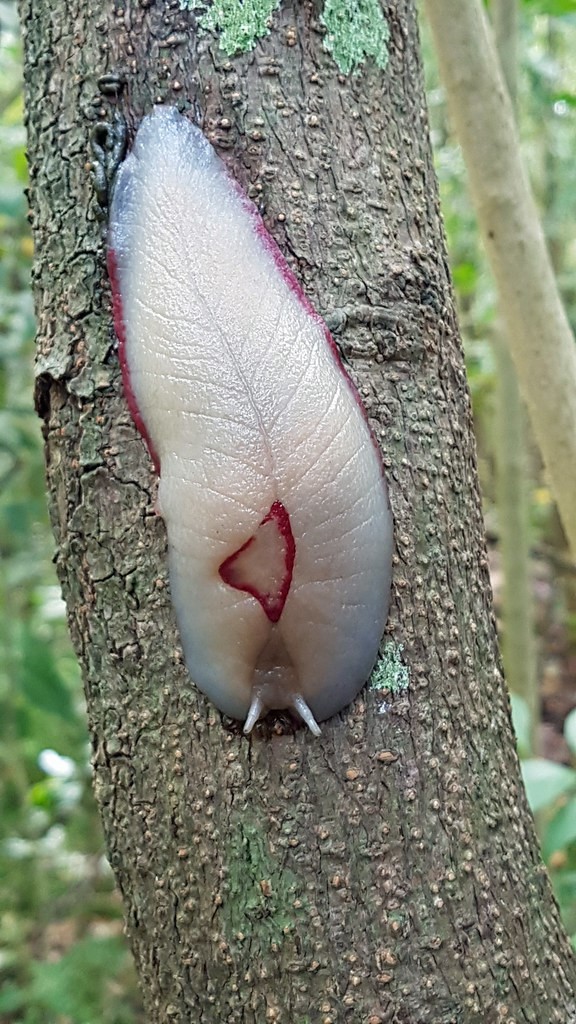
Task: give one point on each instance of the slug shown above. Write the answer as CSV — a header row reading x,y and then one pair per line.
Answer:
x,y
270,482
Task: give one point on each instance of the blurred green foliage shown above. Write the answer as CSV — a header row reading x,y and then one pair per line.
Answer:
x,y
551,790
62,956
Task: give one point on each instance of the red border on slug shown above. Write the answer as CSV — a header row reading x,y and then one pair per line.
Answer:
x,y
273,605
270,245
120,328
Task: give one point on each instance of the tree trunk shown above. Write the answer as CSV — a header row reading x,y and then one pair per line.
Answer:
x,y
387,871
512,460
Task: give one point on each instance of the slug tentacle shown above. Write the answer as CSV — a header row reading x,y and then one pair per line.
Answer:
x,y
300,705
256,709
271,484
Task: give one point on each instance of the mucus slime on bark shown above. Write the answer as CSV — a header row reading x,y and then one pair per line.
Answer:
x,y
271,485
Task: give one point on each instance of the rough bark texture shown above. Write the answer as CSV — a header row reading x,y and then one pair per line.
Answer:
x,y
388,871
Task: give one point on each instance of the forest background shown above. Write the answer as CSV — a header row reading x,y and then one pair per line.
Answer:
x,y
62,953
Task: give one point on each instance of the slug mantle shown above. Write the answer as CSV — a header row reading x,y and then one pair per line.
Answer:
x,y
271,485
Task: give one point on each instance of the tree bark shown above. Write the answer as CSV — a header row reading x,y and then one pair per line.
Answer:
x,y
389,870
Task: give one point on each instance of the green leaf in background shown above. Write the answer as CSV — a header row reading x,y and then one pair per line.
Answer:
x,y
562,829
569,98
39,678
465,277
570,731
80,986
564,882
522,724
12,998
552,8
545,781
10,201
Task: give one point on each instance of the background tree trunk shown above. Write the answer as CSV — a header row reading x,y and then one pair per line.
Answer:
x,y
389,870
512,474
540,337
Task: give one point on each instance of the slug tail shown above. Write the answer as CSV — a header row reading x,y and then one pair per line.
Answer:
x,y
300,705
256,709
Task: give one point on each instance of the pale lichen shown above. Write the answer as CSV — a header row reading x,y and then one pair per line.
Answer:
x,y
356,29
259,890
239,22
390,672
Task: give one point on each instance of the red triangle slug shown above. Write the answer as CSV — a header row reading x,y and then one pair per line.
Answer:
x,y
271,485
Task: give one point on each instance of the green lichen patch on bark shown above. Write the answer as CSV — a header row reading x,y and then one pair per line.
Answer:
x,y
357,29
391,673
263,896
239,22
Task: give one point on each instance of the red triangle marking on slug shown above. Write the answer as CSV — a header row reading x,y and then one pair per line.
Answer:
x,y
263,565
